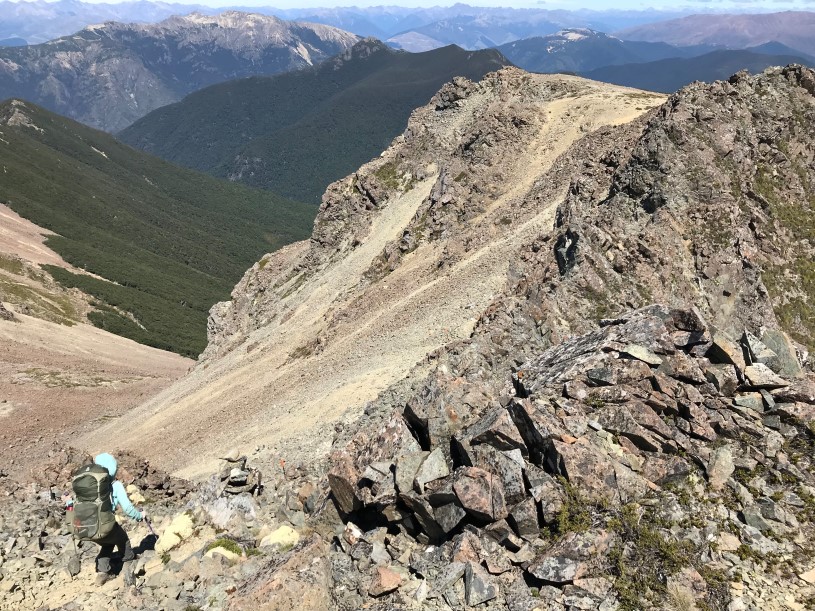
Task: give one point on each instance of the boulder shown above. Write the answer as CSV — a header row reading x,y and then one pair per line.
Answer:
x,y
480,493
786,363
284,537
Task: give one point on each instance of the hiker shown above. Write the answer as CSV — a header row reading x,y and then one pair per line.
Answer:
x,y
98,494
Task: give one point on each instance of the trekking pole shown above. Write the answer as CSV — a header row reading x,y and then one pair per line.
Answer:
x,y
150,528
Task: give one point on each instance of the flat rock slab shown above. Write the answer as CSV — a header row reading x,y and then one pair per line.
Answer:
x,y
761,376
642,354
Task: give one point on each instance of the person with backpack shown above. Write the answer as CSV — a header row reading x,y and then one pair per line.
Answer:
x,y
97,495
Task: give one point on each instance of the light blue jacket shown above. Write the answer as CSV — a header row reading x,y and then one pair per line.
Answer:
x,y
118,494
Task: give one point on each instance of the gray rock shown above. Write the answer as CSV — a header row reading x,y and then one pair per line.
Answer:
x,y
720,468
524,517
434,467
449,516
643,354
760,376
786,363
407,466
478,586
750,400
757,352
724,350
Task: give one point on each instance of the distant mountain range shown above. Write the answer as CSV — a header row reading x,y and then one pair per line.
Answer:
x,y
164,243
42,20
295,133
668,75
110,75
580,49
795,29
14,41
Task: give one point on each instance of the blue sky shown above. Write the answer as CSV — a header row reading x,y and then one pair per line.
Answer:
x,y
718,6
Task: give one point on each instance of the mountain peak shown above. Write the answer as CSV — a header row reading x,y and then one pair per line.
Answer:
x,y
362,49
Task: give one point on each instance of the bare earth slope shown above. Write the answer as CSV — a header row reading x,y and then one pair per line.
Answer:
x,y
322,328
58,373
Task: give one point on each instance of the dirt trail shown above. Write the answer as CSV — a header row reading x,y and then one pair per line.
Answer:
x,y
276,390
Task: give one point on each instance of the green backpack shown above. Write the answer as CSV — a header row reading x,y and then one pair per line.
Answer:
x,y
93,510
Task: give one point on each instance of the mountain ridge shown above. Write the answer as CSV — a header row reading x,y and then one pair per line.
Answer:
x,y
297,132
111,74
792,28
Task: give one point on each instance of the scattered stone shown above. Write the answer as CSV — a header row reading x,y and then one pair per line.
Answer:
x,y
385,580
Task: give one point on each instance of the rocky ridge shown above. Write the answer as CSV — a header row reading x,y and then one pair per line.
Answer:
x,y
109,75
649,462
662,460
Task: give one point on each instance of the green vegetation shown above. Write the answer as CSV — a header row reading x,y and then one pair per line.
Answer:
x,y
227,544
791,284
578,512
644,558
166,241
295,133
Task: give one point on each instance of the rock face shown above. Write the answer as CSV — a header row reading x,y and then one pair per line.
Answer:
x,y
107,76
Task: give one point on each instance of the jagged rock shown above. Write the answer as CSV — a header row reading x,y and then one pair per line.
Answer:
x,y
786,361
449,516
407,467
569,558
757,352
502,465
479,588
524,517
496,429
585,466
751,400
723,377
724,350
434,467
643,354
480,493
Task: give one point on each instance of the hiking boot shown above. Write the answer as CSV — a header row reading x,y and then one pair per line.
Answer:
x,y
102,579
128,573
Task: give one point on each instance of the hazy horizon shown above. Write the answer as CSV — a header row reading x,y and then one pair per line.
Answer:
x,y
689,6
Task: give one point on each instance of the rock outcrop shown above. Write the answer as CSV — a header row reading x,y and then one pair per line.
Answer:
x,y
651,439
